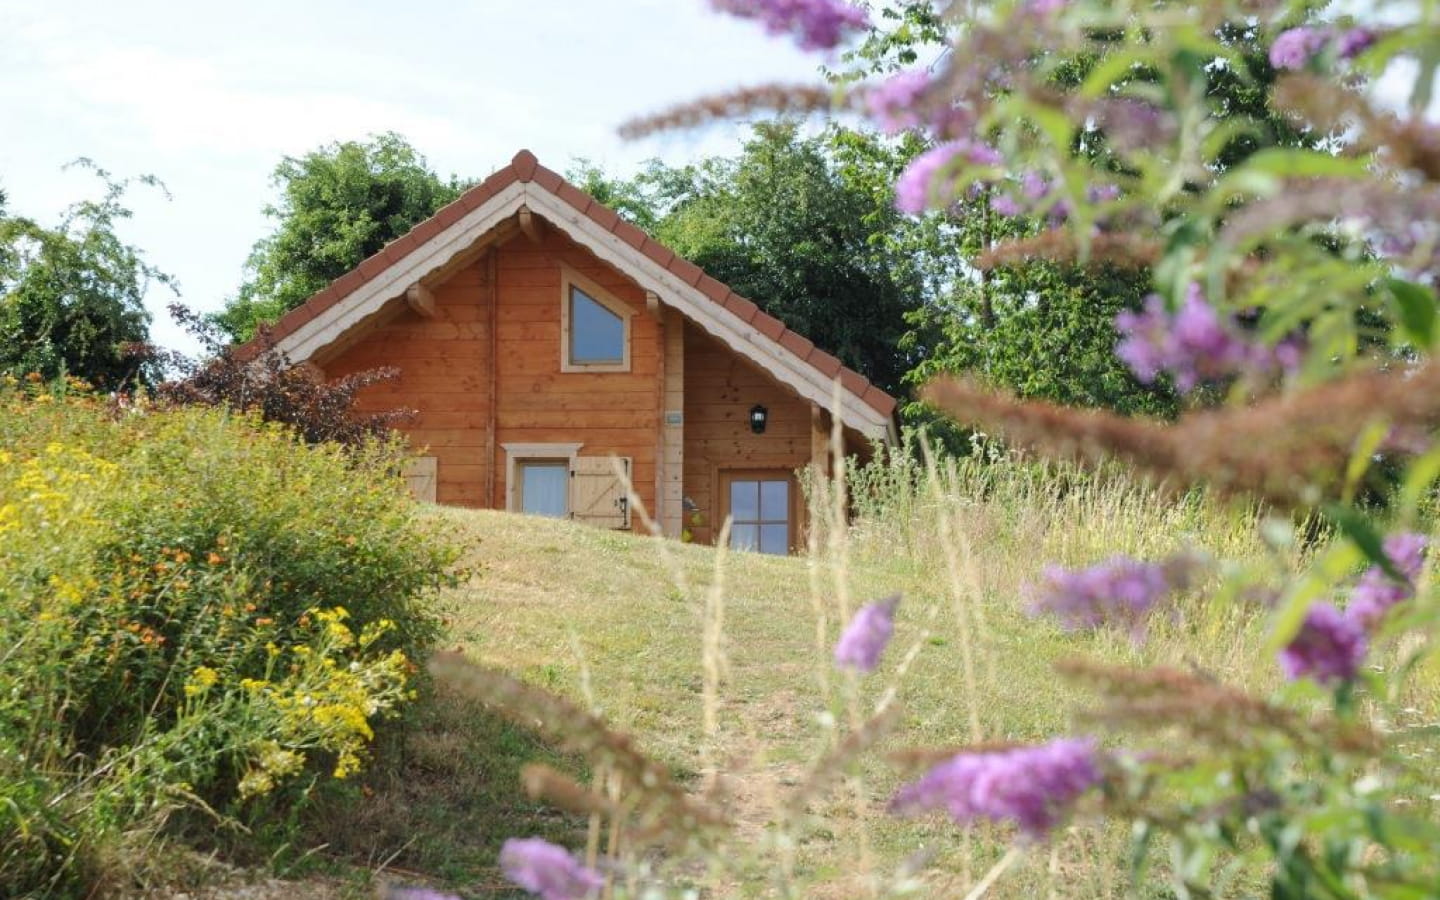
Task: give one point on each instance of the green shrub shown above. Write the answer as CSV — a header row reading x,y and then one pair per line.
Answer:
x,y
198,611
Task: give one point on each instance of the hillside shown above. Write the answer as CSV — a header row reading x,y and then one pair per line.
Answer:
x,y
620,620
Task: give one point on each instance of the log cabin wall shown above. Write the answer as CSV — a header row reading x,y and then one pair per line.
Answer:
x,y
443,363
720,389
446,366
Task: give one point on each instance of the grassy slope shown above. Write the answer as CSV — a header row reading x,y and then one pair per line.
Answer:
x,y
586,611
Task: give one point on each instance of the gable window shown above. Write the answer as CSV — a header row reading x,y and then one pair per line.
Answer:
x,y
761,509
595,327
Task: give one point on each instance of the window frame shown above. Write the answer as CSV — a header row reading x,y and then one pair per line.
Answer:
x,y
518,454
728,477
571,279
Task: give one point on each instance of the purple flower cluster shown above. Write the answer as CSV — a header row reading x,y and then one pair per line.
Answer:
x,y
1193,344
1294,49
1036,192
548,871
929,180
816,24
867,635
1034,787
1377,592
1329,647
1119,590
898,104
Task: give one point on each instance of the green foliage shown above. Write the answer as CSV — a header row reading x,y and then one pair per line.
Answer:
x,y
200,612
338,205
72,296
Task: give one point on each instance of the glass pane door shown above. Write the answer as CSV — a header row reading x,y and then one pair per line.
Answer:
x,y
760,514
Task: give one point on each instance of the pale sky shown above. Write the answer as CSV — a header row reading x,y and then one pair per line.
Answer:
x,y
209,97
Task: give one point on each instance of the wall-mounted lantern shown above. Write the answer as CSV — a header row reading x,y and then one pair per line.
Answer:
x,y
758,417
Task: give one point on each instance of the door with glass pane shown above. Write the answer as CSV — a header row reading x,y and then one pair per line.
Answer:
x,y
544,487
761,506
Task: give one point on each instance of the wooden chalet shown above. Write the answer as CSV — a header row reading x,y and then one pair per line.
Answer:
x,y
541,337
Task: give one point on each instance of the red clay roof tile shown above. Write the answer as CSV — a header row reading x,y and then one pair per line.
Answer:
x,y
879,400
372,266
604,216
685,270
575,197
629,234
854,382
768,325
713,289
548,179
398,248
449,214
740,306
796,343
657,251
828,365
524,165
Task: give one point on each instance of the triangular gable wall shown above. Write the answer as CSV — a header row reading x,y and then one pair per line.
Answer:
x,y
524,184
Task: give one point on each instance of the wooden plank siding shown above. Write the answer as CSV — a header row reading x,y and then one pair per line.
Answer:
x,y
446,364
720,389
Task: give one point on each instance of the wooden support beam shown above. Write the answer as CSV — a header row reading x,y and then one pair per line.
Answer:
x,y
531,225
491,293
421,300
652,306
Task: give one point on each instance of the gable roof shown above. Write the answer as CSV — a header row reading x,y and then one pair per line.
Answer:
x,y
524,183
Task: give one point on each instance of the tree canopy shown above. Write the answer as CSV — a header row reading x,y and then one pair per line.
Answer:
x,y
72,296
338,205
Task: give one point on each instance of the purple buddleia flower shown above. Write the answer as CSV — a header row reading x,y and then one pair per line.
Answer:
x,y
1119,591
1193,344
1102,193
1329,647
1006,205
929,180
1034,787
1354,41
548,871
899,104
1377,592
892,102
1034,186
816,24
1295,48
1043,9
867,634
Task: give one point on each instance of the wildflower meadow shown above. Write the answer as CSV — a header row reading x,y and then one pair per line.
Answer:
x,y
1294,304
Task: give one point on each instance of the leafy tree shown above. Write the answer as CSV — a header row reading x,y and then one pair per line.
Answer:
x,y
338,205
1043,330
72,296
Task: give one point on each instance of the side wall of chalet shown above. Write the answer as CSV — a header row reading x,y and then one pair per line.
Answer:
x,y
720,389
483,374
